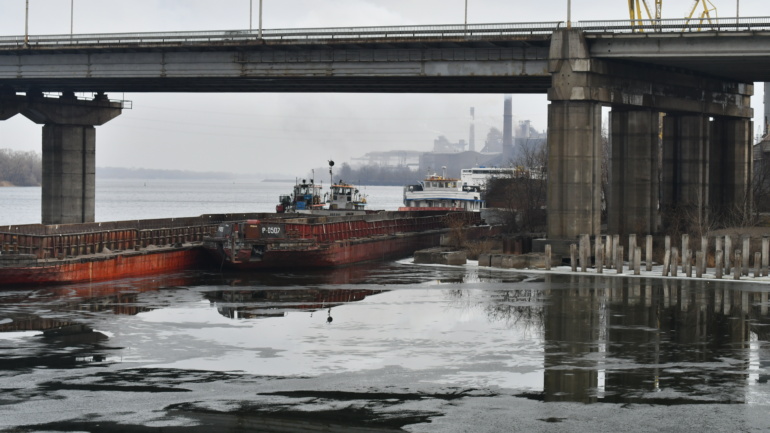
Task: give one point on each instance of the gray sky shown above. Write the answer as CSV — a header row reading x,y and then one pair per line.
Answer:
x,y
291,133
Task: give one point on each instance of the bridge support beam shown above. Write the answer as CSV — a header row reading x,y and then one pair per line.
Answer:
x,y
69,150
633,198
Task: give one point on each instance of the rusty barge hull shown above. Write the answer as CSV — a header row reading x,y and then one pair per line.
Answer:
x,y
37,254
105,267
326,242
341,253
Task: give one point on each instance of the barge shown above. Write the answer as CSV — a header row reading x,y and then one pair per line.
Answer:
x,y
39,254
36,254
327,241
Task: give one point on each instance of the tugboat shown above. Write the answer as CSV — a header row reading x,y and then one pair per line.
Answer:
x,y
442,193
306,197
343,199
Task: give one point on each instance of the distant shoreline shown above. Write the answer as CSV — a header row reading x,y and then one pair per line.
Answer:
x,y
5,183
277,180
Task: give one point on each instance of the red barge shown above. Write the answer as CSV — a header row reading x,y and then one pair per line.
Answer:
x,y
302,241
38,254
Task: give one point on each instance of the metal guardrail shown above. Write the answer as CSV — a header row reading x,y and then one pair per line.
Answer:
x,y
435,32
316,34
683,25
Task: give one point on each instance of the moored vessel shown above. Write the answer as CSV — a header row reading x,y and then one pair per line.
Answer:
x,y
440,192
36,254
305,242
343,199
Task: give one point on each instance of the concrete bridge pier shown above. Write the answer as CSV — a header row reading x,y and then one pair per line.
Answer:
x,y
574,168
731,166
705,164
69,150
633,197
685,191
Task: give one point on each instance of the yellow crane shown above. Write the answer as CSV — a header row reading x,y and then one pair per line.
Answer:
x,y
706,13
637,8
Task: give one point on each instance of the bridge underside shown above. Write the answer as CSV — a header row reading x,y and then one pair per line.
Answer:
x,y
353,84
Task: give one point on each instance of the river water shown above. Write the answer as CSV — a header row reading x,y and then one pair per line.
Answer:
x,y
118,200
388,346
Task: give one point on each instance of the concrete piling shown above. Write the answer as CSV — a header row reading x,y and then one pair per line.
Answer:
x,y
745,254
648,253
687,263
585,242
631,249
757,264
674,261
699,264
573,257
718,258
637,260
599,255
738,263
666,262
685,247
765,255
728,254
548,257
619,264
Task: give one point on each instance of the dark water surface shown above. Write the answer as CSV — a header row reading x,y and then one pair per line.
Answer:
x,y
386,347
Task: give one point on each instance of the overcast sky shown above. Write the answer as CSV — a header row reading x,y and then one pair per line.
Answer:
x,y
291,133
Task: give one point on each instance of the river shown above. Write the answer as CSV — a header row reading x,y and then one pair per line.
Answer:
x,y
118,200
377,347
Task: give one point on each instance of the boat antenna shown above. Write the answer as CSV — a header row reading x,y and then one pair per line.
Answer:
x,y
331,174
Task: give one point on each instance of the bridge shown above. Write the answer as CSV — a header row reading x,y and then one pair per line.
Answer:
x,y
700,74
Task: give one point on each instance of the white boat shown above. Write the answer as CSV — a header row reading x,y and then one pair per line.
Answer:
x,y
440,193
479,176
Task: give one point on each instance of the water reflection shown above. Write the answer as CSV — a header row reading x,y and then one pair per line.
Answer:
x,y
555,338
654,341
260,303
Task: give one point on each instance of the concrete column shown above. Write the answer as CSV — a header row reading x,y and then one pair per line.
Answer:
x,y
574,169
633,204
69,150
69,167
731,167
686,155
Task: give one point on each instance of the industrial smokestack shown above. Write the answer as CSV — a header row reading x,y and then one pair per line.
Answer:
x,y
472,133
507,127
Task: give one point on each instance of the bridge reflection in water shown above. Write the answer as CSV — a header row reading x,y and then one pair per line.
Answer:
x,y
654,341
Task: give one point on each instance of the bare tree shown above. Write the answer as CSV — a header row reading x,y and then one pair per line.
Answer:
x,y
20,168
522,193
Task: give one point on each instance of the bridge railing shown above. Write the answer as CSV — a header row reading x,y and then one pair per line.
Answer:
x,y
434,32
316,34
683,25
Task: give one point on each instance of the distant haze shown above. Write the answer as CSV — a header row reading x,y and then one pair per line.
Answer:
x,y
261,134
